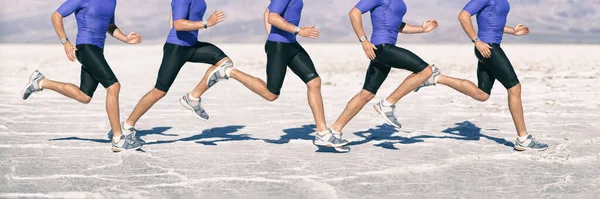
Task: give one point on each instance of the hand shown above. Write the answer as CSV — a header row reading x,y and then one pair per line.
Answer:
x,y
134,38
520,29
309,32
70,50
369,49
484,49
429,25
217,17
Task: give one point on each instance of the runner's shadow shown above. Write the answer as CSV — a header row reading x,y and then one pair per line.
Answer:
x,y
463,131
153,131
211,136
302,133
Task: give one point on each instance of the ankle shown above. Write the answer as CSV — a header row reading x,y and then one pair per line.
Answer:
x,y
386,103
192,98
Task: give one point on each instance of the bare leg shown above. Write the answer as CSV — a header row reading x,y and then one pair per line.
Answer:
x,y
202,86
256,85
464,86
516,109
353,107
144,105
409,84
315,101
67,89
112,108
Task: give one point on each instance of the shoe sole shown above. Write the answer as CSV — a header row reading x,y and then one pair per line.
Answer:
x,y
212,74
518,148
188,107
327,144
116,150
384,117
31,78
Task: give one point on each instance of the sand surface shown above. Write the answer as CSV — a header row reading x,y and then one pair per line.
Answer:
x,y
450,146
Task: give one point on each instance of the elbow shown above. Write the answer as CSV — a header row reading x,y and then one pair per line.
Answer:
x,y
463,15
56,16
354,13
271,17
178,26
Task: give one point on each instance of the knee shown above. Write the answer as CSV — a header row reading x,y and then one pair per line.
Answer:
x,y
515,90
272,97
366,95
427,71
85,100
157,94
114,89
314,84
483,97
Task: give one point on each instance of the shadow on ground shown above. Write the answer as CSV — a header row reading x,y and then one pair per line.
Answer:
x,y
463,131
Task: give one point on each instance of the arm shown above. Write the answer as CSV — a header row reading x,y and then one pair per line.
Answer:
x,y
181,9
518,30
356,20
266,21
171,20
465,21
276,9
509,30
66,9
428,26
132,38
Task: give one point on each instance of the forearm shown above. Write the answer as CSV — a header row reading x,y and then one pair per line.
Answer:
x,y
57,22
465,21
410,29
171,20
278,21
509,30
356,20
114,31
187,25
266,21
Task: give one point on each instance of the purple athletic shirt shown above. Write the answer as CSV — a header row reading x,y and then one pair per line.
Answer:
x,y
291,11
192,10
386,16
491,18
93,18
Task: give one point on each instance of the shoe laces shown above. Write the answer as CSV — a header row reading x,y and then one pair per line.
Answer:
x,y
393,112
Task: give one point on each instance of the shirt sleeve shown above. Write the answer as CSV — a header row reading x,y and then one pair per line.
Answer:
x,y
180,8
278,6
70,6
112,20
367,5
475,6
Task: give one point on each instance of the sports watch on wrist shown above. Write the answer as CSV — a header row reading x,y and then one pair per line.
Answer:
x,y
64,40
362,39
475,40
296,30
205,24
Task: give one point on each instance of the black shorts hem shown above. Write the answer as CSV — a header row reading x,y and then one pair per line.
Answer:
x,y
306,80
161,88
371,90
273,91
87,92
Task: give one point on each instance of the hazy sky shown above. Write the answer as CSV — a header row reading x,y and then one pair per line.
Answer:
x,y
551,21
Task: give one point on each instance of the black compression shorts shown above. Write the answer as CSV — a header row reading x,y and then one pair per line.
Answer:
x,y
281,55
175,56
94,69
390,56
496,67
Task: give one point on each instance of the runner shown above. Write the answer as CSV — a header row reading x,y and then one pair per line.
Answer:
x,y
282,50
94,19
386,17
493,63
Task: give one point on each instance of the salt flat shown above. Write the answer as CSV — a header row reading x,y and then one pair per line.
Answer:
x,y
450,146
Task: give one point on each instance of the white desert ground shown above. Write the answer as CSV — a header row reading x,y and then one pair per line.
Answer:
x,y
450,146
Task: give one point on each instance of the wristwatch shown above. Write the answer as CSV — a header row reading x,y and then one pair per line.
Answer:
x,y
475,40
64,40
362,39
205,24
296,30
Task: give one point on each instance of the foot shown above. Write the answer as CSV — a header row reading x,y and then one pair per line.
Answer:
x,y
129,131
194,106
33,85
388,113
329,140
432,81
530,144
126,143
219,74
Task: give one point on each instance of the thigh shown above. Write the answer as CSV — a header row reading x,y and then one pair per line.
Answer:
x,y
502,68
174,57
303,66
206,53
400,58
87,84
92,59
485,78
376,75
279,56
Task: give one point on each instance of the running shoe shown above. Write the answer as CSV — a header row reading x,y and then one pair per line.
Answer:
x,y
388,113
432,81
329,140
195,107
126,143
530,144
218,74
33,85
